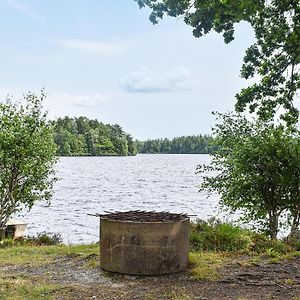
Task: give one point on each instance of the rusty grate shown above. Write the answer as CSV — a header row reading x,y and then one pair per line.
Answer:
x,y
143,216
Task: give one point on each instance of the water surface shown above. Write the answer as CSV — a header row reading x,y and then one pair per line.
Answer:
x,y
97,184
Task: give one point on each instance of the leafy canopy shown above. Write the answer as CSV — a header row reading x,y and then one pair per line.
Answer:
x,y
274,58
256,169
27,156
83,136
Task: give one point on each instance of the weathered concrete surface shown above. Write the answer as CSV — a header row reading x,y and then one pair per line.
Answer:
x,y
144,248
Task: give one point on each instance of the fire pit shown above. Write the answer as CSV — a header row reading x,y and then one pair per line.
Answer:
x,y
144,243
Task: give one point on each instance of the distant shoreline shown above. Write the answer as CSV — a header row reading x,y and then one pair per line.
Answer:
x,y
134,155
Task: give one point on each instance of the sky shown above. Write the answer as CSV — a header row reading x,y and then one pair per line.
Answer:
x,y
105,60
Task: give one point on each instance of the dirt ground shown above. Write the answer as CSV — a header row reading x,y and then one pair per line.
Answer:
x,y
237,281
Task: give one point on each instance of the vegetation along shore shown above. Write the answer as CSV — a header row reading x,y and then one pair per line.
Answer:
x,y
86,137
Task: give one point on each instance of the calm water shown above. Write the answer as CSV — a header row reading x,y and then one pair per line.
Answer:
x,y
98,184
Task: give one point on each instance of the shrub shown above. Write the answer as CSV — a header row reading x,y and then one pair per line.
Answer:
x,y
262,244
217,236
213,235
42,239
45,239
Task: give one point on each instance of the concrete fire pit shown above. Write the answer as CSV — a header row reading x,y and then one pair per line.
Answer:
x,y
144,243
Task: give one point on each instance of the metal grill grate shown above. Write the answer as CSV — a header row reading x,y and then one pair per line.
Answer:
x,y
143,216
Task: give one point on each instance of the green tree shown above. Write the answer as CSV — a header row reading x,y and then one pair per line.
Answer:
x,y
27,156
140,146
195,144
151,146
82,124
119,139
132,147
274,57
62,139
82,136
91,142
256,170
165,146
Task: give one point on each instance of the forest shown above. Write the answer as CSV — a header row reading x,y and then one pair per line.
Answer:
x,y
85,137
196,144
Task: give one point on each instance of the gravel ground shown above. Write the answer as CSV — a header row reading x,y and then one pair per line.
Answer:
x,y
237,281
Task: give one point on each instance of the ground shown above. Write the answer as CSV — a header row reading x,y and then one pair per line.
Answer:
x,y
62,272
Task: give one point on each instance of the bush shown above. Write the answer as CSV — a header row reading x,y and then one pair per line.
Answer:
x,y
213,235
262,244
42,239
217,236
45,239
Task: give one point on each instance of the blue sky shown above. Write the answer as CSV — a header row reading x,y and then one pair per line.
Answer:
x,y
103,59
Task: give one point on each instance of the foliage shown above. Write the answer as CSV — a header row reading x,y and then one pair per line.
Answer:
x,y
217,236
42,239
214,235
274,58
27,156
197,144
257,169
82,136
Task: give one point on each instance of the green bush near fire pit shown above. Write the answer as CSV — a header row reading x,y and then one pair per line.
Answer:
x,y
217,236
214,235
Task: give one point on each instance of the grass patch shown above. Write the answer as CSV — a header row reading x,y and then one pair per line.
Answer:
x,y
19,287
289,281
214,243
22,287
176,295
92,262
206,265
38,255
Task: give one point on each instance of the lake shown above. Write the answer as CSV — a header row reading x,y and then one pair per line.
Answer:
x,y
97,184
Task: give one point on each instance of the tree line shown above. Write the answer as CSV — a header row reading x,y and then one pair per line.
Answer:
x,y
85,137
196,144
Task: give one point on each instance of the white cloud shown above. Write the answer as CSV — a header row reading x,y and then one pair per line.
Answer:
x,y
59,104
23,9
85,101
102,48
145,80
55,100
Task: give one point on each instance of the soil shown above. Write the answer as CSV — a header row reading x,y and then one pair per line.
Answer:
x,y
237,281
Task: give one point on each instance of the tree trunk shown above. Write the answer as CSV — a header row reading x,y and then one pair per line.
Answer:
x,y
273,225
2,234
294,226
